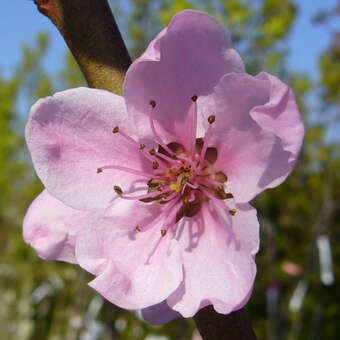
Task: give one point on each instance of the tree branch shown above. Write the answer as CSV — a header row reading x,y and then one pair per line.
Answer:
x,y
93,37
215,326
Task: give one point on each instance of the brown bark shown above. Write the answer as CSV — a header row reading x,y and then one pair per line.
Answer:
x,y
215,326
91,33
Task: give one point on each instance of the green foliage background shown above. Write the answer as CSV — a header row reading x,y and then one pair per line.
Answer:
x,y
50,300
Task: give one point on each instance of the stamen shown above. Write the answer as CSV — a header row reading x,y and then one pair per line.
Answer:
x,y
152,153
149,195
211,119
168,159
123,134
169,220
155,165
192,186
190,161
207,136
131,171
211,181
178,185
221,177
138,228
118,190
165,212
218,202
158,138
193,126
232,212
132,141
170,197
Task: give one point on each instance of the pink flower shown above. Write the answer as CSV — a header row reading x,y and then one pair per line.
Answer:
x,y
150,192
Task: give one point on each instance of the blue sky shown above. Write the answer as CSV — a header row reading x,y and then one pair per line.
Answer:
x,y
20,22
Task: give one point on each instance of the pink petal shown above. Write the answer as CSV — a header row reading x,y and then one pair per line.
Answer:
x,y
70,135
134,269
219,266
252,156
50,227
280,115
160,314
188,58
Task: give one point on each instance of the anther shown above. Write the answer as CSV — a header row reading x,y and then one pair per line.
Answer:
x,y
211,119
118,190
142,146
155,165
232,212
163,232
152,152
221,177
99,170
138,228
153,103
115,129
194,98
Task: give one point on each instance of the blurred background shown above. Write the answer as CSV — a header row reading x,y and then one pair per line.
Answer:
x,y
297,291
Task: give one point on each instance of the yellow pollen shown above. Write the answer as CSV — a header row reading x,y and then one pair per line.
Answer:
x,y
171,171
99,170
153,103
181,180
152,152
175,187
191,172
232,212
211,119
142,146
163,232
184,180
118,190
155,165
186,200
115,129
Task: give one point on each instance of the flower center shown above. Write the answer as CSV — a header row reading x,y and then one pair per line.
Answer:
x,y
181,180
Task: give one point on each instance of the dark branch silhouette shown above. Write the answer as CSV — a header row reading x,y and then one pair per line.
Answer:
x,y
93,37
